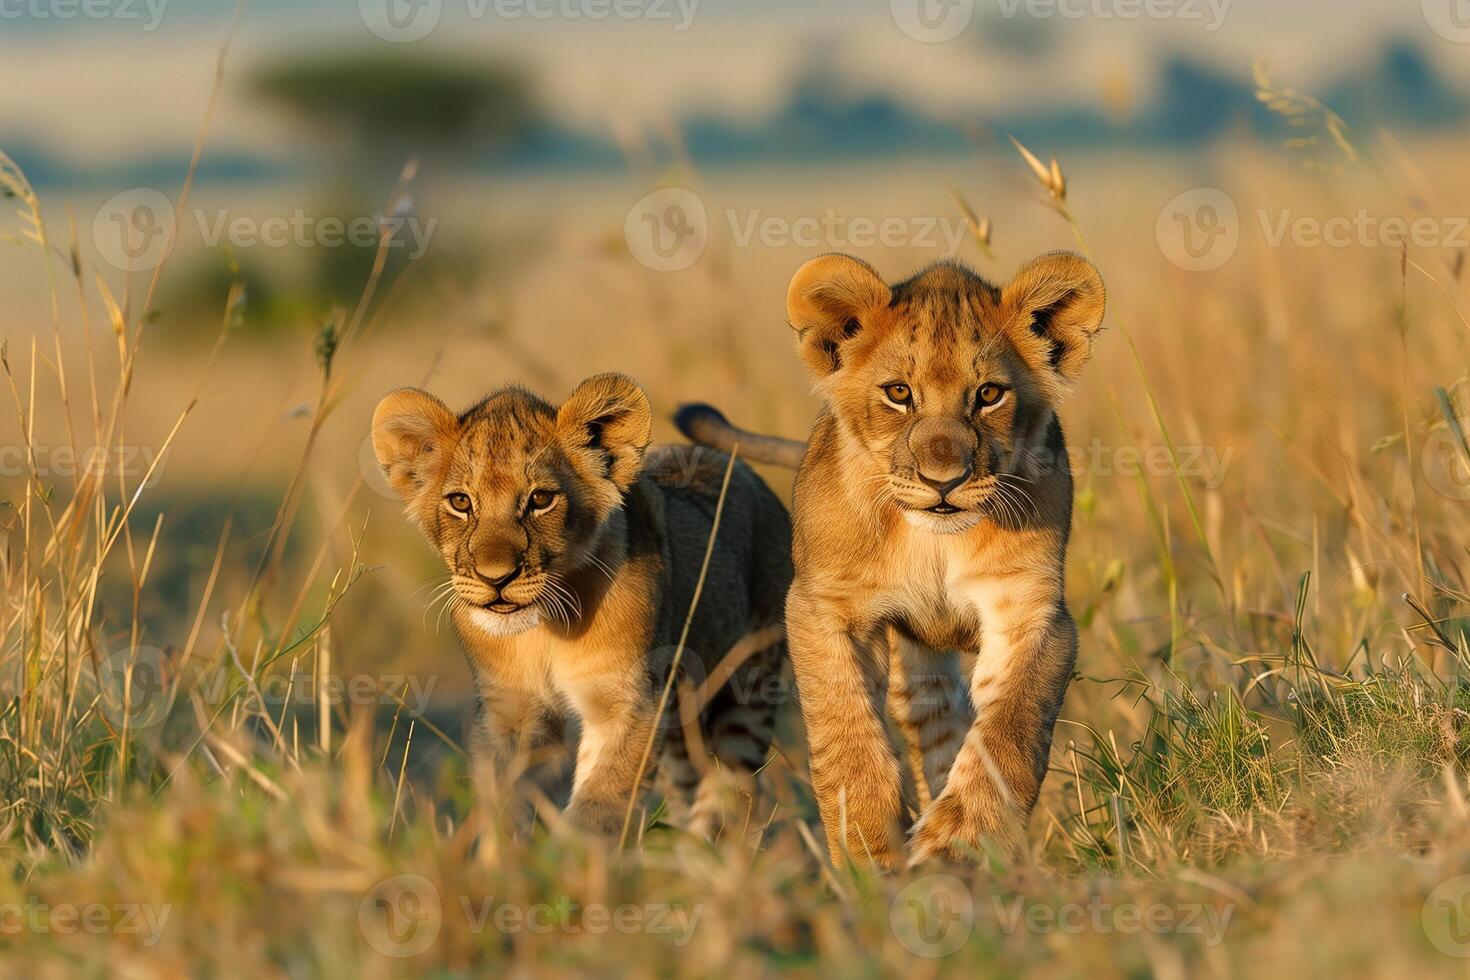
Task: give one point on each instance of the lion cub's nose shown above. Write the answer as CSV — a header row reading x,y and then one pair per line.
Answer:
x,y
499,574
944,453
944,487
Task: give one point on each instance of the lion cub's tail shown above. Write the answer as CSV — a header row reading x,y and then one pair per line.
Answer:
x,y
705,425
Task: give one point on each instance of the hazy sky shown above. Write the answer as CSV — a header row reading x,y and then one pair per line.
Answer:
x,y
134,79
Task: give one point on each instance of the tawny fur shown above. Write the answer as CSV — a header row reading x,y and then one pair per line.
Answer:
x,y
569,612
954,619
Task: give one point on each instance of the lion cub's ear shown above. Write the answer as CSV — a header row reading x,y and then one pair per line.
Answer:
x,y
831,300
607,418
413,434
1053,310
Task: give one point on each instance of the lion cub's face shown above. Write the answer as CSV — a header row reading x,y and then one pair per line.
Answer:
x,y
514,492
948,382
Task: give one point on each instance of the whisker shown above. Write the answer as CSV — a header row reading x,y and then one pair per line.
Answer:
x,y
573,603
560,600
440,593
601,566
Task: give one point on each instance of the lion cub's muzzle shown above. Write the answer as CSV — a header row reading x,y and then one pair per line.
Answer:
x,y
496,584
942,451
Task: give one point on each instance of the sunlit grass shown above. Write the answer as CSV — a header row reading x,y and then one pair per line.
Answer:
x,y
1265,748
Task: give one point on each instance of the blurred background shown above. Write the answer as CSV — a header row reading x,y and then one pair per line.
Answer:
x,y
628,184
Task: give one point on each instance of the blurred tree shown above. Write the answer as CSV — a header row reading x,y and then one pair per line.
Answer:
x,y
372,112
377,110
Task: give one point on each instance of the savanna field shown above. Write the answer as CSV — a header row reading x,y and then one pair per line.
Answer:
x,y
232,718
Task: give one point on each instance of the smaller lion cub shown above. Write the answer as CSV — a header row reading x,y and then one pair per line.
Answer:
x,y
573,552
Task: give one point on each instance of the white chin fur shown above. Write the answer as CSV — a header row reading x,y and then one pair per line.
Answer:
x,y
941,523
506,624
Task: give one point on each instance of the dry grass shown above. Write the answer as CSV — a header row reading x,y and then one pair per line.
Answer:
x,y
1261,768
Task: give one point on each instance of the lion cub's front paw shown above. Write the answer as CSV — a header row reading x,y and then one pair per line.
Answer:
x,y
953,830
601,817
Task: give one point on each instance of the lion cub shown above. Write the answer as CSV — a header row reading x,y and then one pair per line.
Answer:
x,y
932,510
574,561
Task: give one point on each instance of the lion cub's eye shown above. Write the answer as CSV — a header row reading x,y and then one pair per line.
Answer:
x,y
459,503
541,500
899,394
990,395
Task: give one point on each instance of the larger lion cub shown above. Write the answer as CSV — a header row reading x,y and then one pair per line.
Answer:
x,y
573,560
931,517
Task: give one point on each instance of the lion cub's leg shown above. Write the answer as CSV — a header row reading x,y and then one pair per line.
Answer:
x,y
740,721
617,710
928,699
1028,649
842,684
516,743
